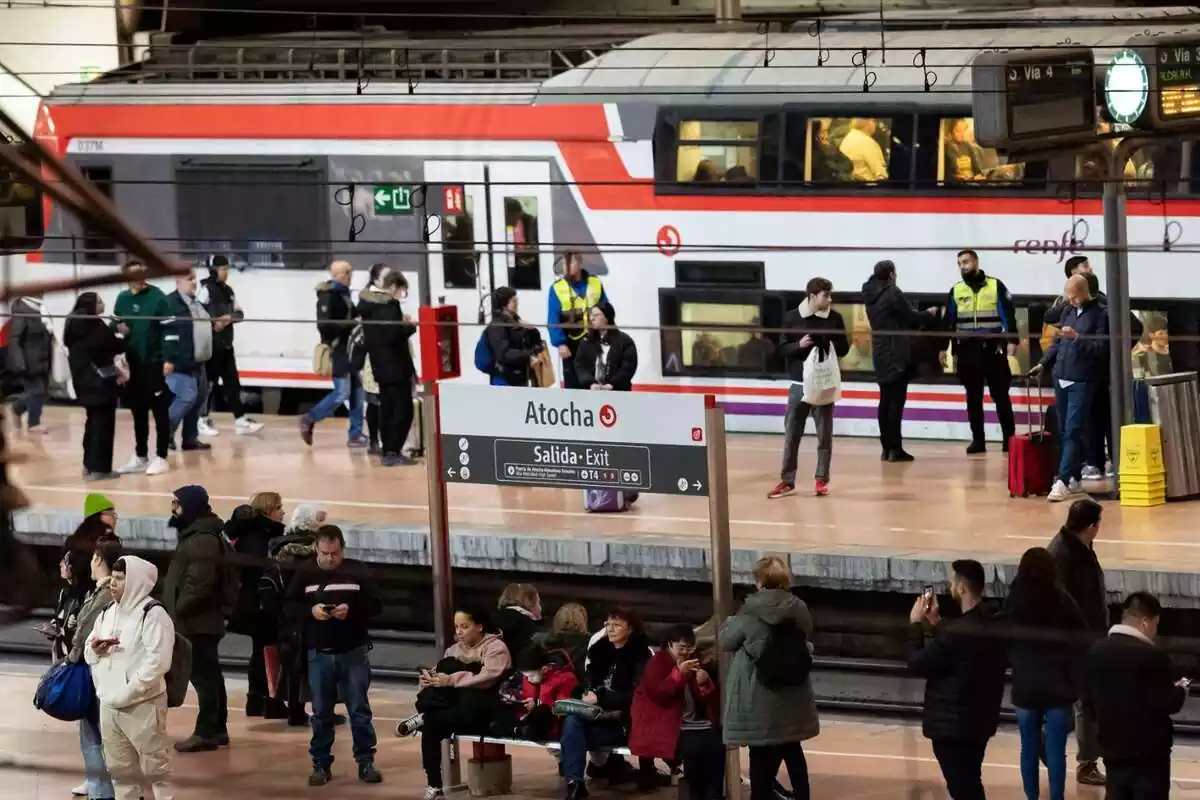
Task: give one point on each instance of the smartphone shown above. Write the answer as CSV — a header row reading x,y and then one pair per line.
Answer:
x,y
329,607
927,594
1184,682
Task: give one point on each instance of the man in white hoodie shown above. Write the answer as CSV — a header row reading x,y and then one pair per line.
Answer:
x,y
129,651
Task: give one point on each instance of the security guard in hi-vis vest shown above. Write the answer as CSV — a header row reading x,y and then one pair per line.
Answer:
x,y
982,305
572,297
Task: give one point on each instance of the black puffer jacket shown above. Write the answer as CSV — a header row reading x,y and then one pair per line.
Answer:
x,y
516,628
91,348
1081,575
887,310
1047,649
619,367
512,346
963,665
613,672
250,533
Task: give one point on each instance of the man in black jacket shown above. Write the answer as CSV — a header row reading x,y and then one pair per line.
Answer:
x,y
387,338
1131,688
1083,578
335,312
217,296
963,665
337,599
891,353
812,326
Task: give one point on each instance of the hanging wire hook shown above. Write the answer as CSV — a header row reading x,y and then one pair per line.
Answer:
x,y
860,60
364,80
1172,228
929,75
764,30
814,30
408,74
358,222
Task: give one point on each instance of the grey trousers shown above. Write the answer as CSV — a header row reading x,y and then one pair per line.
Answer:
x,y
794,424
1087,736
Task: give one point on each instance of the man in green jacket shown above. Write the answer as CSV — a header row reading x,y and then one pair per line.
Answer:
x,y
139,312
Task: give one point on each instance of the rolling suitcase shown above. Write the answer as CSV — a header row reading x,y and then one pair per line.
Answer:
x,y
1031,456
605,501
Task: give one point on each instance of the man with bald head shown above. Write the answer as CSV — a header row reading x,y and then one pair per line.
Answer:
x,y
1077,362
335,315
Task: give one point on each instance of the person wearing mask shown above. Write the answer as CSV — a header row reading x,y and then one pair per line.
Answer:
x,y
615,663
1046,655
772,722
568,306
187,348
335,312
141,312
676,715
250,530
368,300
517,615
981,308
606,359
218,298
194,594
963,664
512,344
888,310
92,350
1075,360
387,342
1081,575
129,651
337,599
812,326
1133,692
547,676
98,785
30,356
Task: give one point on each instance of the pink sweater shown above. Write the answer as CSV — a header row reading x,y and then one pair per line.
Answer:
x,y
491,652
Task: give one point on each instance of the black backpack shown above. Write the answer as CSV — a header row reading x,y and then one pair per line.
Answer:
x,y
785,660
180,673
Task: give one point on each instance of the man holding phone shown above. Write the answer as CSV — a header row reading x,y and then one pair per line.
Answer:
x,y
336,598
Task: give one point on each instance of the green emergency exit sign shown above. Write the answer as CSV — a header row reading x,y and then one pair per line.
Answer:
x,y
392,198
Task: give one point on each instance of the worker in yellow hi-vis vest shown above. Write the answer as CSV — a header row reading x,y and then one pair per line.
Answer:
x,y
572,297
979,304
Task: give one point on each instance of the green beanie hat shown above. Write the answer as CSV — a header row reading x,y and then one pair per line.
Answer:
x,y
95,503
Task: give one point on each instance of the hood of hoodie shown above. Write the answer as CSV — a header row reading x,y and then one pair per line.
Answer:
x,y
874,288
773,606
472,654
140,577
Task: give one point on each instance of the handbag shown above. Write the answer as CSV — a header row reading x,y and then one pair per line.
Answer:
x,y
586,711
322,363
822,378
65,691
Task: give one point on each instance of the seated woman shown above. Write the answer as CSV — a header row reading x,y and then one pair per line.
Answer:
x,y
676,713
517,615
615,663
569,631
458,695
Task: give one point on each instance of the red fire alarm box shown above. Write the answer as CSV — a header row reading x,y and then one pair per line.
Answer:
x,y
439,342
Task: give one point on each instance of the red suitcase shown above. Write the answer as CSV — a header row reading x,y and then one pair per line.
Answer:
x,y
1032,456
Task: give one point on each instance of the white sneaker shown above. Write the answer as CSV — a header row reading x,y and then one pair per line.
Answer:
x,y
1075,487
1092,474
158,466
1058,492
206,428
1108,470
411,726
434,794
81,790
134,464
243,426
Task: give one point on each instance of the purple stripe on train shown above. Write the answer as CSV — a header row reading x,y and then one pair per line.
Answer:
x,y
868,412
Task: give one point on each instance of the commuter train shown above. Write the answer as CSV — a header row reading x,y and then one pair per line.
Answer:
x,y
707,176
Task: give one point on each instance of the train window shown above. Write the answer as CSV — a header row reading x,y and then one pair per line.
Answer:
x,y
729,343
460,264
845,149
1152,354
21,221
727,274
858,331
712,151
521,236
964,161
97,247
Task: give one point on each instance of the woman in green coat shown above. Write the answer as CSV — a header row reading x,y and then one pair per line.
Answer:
x,y
772,722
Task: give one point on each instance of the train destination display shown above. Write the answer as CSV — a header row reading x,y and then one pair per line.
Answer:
x,y
1033,97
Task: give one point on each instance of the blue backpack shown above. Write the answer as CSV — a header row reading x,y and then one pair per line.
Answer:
x,y
483,355
65,692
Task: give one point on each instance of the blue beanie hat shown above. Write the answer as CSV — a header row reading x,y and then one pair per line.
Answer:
x,y
193,501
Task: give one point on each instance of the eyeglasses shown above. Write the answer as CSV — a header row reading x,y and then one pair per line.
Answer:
x,y
616,623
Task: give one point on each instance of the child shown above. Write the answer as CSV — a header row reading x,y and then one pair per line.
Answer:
x,y
547,676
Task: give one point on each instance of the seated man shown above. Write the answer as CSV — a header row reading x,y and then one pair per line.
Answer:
x,y
676,713
459,694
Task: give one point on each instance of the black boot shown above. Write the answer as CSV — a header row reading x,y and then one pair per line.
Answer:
x,y
275,709
576,790
256,705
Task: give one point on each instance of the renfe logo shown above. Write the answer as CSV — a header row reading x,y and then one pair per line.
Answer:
x,y
608,416
1049,247
568,416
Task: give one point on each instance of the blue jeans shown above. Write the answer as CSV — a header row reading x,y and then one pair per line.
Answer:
x,y
1074,409
347,674
32,399
579,736
347,387
1050,727
99,784
188,388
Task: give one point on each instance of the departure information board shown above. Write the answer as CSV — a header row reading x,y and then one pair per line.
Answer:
x,y
1177,67
1033,98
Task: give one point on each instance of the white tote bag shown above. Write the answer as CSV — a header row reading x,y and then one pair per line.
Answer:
x,y
822,379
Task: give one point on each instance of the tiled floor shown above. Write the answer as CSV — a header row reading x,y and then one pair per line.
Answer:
x,y
39,757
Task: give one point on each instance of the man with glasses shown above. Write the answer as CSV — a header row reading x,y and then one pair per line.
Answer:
x,y
187,347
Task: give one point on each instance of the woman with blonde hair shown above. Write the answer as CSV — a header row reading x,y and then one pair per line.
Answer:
x,y
772,720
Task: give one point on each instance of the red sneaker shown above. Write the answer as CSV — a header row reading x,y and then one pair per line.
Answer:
x,y
821,489
782,489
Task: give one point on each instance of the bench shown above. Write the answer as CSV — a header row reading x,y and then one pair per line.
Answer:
x,y
489,769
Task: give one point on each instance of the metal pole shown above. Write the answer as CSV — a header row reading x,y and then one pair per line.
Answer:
x,y
1116,275
439,553
425,271
722,569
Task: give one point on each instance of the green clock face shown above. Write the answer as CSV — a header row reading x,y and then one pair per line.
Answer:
x,y
1126,87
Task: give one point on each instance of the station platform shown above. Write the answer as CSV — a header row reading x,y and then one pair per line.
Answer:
x,y
884,527
859,758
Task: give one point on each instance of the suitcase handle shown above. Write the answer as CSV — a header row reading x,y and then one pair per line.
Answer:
x,y
1033,389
